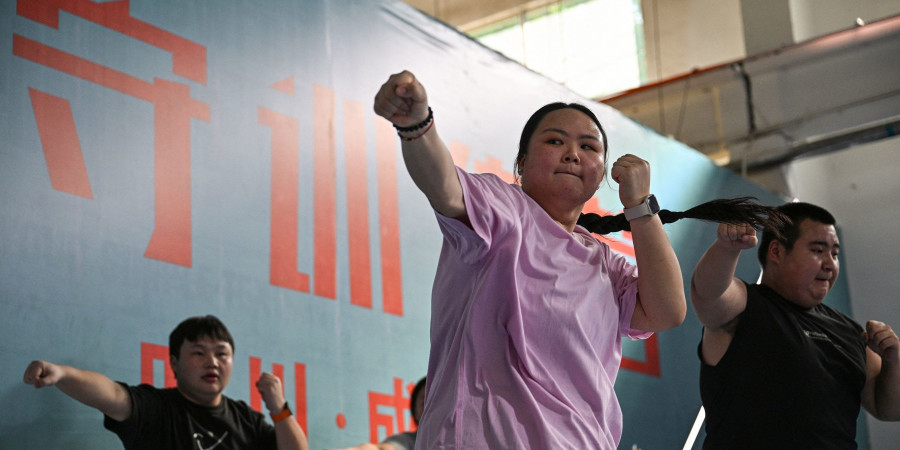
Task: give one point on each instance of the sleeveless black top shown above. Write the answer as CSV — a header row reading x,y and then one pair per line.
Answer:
x,y
791,378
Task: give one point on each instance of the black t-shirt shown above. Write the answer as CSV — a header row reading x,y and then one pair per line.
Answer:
x,y
164,419
791,378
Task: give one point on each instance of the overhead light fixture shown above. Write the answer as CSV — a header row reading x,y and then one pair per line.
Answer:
x,y
860,22
720,157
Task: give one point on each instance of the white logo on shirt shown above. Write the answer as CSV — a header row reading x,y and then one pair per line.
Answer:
x,y
198,437
817,335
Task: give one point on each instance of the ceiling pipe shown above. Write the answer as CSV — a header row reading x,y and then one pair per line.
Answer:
x,y
882,32
796,53
818,145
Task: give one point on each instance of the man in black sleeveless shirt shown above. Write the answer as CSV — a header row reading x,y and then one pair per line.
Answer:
x,y
193,415
779,369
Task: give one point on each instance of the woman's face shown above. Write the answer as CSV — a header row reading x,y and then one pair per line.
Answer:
x,y
563,163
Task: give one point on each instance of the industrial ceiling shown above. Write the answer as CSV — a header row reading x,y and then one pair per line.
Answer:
x,y
816,96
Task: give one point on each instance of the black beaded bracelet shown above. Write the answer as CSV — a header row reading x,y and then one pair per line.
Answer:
x,y
417,126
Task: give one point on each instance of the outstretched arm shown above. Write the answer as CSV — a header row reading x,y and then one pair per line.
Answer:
x,y
881,395
91,388
717,296
402,100
288,434
661,304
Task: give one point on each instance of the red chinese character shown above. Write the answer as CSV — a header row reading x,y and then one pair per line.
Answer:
x,y
172,106
396,401
149,354
284,245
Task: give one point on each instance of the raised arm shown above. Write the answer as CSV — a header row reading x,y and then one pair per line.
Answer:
x,y
402,100
288,434
661,304
717,296
91,388
881,395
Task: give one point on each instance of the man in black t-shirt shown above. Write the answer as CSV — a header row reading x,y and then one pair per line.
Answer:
x,y
195,414
779,369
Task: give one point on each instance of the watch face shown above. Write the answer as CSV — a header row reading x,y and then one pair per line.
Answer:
x,y
654,205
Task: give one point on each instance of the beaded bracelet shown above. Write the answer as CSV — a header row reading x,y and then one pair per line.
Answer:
x,y
418,125
407,139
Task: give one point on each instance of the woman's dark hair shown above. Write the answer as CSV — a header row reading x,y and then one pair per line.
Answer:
x,y
729,210
789,231
193,329
533,121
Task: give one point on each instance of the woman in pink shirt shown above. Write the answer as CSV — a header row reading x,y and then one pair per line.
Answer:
x,y
528,308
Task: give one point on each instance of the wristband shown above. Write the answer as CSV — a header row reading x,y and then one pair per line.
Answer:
x,y
417,126
284,414
648,207
430,124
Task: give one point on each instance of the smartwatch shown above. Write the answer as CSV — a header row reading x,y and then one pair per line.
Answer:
x,y
648,207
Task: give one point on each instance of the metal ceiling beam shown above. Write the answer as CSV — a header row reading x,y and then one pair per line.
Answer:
x,y
775,106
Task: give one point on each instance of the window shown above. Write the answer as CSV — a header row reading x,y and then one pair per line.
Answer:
x,y
594,47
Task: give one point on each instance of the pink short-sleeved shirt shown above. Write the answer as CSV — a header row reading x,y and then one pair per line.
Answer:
x,y
526,323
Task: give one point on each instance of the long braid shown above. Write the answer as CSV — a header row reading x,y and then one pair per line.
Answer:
x,y
726,210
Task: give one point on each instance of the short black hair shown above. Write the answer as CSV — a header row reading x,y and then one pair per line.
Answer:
x,y
789,231
416,392
195,328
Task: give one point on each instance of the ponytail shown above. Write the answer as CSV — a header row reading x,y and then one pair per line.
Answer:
x,y
738,210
